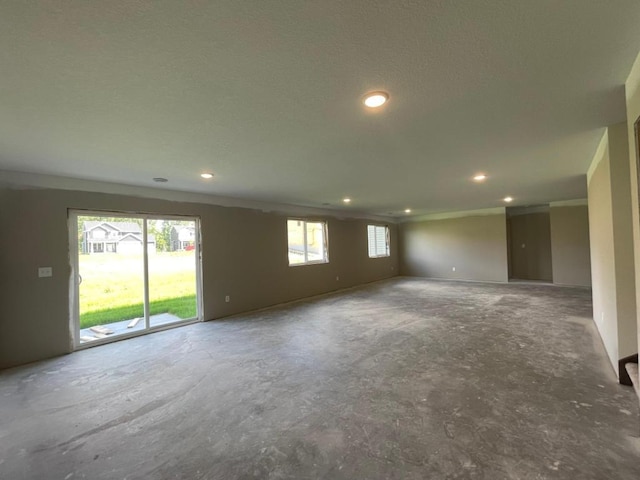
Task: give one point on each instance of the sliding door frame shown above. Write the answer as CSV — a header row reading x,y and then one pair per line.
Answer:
x,y
74,284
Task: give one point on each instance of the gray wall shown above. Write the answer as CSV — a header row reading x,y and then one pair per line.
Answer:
x,y
474,245
530,246
570,245
34,312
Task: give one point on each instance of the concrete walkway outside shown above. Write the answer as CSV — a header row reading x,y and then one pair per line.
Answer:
x,y
119,328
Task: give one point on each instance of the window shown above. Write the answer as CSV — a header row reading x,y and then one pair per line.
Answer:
x,y
378,241
307,242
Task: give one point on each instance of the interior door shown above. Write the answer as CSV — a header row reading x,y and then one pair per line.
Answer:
x,y
530,247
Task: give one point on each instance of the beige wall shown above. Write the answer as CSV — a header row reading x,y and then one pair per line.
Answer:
x,y
603,274
570,244
34,312
530,246
612,258
632,89
623,238
5,281
474,245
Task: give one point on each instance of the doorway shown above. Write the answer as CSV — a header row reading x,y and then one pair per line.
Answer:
x,y
132,274
529,243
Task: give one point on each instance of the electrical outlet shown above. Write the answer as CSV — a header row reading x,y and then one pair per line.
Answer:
x,y
337,278
227,298
45,272
453,269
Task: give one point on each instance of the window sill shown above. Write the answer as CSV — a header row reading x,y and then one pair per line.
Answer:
x,y
318,262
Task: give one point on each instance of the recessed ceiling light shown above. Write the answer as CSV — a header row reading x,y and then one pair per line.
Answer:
x,y
508,199
206,175
346,200
481,177
160,180
376,99
408,210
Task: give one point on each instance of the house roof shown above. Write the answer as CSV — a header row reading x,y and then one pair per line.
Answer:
x,y
120,226
268,95
150,238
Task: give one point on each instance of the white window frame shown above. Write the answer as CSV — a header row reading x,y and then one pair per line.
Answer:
x,y
74,300
387,252
325,242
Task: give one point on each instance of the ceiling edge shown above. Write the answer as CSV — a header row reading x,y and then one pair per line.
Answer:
x,y
578,202
13,179
459,214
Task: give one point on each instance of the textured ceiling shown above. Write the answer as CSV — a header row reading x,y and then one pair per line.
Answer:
x,y
267,95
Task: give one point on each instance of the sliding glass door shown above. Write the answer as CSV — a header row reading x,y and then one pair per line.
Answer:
x,y
132,274
172,272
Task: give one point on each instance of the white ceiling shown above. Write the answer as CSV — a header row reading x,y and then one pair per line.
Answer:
x,y
267,95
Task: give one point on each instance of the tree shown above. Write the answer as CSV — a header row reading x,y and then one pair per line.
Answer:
x,y
156,228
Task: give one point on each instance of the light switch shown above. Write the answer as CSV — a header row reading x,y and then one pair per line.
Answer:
x,y
45,272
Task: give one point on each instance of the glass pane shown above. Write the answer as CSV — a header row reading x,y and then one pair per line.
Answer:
x,y
295,231
315,242
371,233
378,237
172,270
111,269
381,241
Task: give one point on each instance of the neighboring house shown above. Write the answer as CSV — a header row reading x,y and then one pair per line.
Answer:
x,y
115,237
182,238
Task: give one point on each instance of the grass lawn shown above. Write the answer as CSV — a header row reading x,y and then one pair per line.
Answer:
x,y
112,286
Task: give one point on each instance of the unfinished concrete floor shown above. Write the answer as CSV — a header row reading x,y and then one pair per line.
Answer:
x,y
402,379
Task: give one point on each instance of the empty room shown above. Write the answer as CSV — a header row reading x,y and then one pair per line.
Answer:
x,y
296,239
